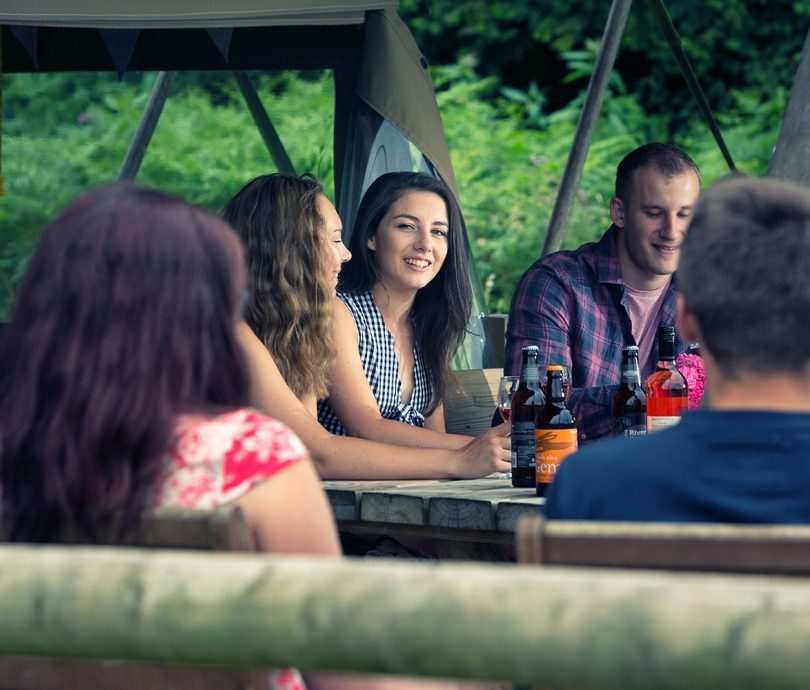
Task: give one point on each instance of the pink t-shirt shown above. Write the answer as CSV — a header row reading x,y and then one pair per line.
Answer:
x,y
644,307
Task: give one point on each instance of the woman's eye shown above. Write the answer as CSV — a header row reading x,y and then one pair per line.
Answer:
x,y
406,226
439,232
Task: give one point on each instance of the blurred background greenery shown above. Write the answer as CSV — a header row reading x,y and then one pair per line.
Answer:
x,y
510,78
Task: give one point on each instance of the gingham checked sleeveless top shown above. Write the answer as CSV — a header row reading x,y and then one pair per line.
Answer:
x,y
376,347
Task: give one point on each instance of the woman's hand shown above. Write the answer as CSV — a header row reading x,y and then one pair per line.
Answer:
x,y
490,452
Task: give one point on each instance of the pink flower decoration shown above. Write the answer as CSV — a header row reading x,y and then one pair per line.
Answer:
x,y
691,366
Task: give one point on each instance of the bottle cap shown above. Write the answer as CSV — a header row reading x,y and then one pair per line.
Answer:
x,y
554,367
666,342
530,348
630,349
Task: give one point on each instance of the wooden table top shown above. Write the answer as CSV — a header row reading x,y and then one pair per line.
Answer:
x,y
489,504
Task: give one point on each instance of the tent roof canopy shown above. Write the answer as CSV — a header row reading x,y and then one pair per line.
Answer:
x,y
187,14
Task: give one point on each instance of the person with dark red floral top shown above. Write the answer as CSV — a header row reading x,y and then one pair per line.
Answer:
x,y
582,307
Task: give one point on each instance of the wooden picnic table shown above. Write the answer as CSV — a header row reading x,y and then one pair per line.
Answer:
x,y
472,519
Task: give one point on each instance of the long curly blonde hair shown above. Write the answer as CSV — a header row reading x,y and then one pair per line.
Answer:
x,y
290,304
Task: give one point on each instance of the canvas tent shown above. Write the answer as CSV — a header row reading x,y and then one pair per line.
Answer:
x,y
377,65
386,117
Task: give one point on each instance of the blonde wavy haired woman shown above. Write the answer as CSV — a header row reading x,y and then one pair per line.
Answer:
x,y
293,240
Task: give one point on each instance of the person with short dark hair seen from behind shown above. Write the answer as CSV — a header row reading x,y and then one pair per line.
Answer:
x,y
582,307
745,295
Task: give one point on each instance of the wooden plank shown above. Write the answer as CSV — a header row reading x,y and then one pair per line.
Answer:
x,y
455,511
477,504
35,673
471,401
507,514
771,549
344,496
565,628
393,507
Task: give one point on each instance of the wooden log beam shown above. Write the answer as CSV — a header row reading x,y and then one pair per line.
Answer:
x,y
562,627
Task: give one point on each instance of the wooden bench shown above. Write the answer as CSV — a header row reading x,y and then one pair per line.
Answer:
x,y
219,529
762,549
471,401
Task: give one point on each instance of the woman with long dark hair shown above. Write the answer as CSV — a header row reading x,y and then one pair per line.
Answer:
x,y
292,236
404,304
123,386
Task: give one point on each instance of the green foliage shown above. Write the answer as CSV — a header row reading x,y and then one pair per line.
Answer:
x,y
508,171
750,45
66,133
509,143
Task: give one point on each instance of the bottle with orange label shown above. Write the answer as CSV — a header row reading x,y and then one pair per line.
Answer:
x,y
555,431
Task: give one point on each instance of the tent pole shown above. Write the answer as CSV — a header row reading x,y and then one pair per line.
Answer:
x,y
674,41
146,127
265,125
609,47
793,146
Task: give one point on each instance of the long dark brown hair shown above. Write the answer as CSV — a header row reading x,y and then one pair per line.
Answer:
x,y
441,309
125,318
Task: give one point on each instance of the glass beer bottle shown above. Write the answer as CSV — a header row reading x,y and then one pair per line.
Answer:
x,y
526,403
629,410
667,391
555,431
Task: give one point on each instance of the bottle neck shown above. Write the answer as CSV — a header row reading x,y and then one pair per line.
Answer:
x,y
666,349
530,372
631,372
554,389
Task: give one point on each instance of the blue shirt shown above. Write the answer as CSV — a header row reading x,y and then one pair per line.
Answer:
x,y
714,466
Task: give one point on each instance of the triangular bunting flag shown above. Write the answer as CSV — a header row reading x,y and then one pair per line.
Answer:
x,y
222,40
120,43
27,35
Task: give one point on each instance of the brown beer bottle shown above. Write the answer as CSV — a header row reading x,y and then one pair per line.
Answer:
x,y
667,391
630,402
555,434
526,403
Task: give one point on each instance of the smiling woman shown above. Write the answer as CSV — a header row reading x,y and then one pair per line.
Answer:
x,y
403,306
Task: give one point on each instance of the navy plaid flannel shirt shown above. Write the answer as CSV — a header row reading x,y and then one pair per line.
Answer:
x,y
571,305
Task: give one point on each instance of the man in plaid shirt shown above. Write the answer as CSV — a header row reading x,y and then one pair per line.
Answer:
x,y
582,307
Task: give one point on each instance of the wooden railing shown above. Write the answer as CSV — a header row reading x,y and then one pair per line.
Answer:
x,y
561,627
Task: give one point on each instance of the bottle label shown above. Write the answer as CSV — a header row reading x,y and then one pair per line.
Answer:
x,y
655,423
522,444
633,425
552,445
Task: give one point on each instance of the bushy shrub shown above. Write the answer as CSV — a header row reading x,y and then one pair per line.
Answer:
x,y
66,133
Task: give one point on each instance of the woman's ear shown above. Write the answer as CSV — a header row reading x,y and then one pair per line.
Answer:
x,y
371,243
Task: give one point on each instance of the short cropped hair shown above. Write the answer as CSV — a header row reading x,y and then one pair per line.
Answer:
x,y
667,159
744,273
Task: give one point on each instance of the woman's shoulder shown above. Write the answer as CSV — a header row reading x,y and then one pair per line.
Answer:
x,y
237,428
217,458
360,305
